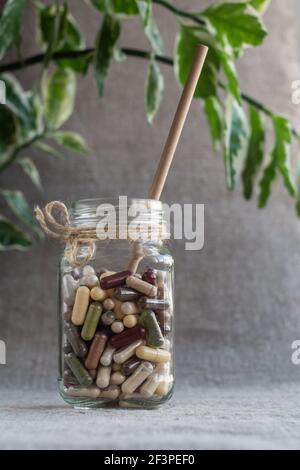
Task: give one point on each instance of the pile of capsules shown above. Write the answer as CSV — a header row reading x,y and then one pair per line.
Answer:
x,y
116,327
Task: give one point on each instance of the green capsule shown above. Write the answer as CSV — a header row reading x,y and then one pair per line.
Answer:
x,y
91,321
78,370
155,337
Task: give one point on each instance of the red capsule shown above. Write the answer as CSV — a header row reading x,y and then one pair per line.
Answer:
x,y
149,276
127,337
114,280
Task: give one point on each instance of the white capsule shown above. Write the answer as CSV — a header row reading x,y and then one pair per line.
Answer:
x,y
69,286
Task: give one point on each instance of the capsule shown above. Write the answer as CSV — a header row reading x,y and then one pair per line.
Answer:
x,y
69,286
69,378
114,280
96,350
117,327
148,388
141,286
103,376
91,321
129,308
78,370
149,276
153,304
117,378
153,355
108,317
112,392
108,304
87,270
78,346
127,352
107,356
87,392
130,366
125,294
98,294
130,321
90,280
155,338
81,305
128,336
137,378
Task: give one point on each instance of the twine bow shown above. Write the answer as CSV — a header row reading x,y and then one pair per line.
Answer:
x,y
60,228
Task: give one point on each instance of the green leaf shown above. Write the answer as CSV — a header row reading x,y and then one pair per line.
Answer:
x,y
214,113
255,153
11,237
150,27
31,171
260,5
234,24
9,131
10,24
187,42
119,7
18,204
47,148
71,140
153,90
235,141
106,42
279,161
231,75
59,90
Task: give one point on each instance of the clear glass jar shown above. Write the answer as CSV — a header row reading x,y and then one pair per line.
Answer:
x,y
116,311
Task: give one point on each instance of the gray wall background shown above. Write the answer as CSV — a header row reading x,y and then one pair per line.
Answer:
x,y
238,299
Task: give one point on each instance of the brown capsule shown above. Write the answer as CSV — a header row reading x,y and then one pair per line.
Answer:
x,y
127,337
130,366
114,280
72,333
96,349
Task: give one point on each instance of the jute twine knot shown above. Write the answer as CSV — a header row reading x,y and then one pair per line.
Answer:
x,y
60,228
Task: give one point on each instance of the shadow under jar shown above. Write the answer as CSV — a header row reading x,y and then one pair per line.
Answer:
x,y
116,310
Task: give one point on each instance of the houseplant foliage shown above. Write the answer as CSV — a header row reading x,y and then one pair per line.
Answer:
x,y
237,122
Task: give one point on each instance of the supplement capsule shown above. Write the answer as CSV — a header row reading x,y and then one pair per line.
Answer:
x,y
87,270
153,355
78,346
69,286
81,305
127,337
129,308
141,286
107,356
117,327
117,310
130,321
69,378
153,304
149,276
114,280
137,378
117,378
103,376
96,350
78,370
90,280
125,294
108,317
130,366
155,338
148,388
108,304
87,392
125,353
98,294
112,392
91,321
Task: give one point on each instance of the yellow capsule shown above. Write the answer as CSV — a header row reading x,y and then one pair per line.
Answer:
x,y
98,294
130,321
81,305
153,355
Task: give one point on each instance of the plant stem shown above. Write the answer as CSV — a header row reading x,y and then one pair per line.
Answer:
x,y
16,152
179,12
39,58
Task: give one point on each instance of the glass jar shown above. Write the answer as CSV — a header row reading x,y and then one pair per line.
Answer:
x,y
116,307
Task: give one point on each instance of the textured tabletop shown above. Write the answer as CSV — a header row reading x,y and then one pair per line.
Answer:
x,y
212,418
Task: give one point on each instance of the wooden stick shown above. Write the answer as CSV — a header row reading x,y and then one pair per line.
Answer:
x,y
178,123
